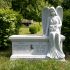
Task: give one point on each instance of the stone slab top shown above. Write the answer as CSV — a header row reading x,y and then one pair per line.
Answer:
x,y
31,37
28,37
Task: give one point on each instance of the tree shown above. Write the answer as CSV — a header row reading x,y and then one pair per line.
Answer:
x,y
66,4
55,2
31,9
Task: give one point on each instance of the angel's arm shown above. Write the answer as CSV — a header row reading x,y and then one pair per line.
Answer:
x,y
60,22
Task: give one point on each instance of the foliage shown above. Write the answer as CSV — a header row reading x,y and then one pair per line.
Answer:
x,y
66,4
31,9
5,4
55,2
34,28
66,30
9,21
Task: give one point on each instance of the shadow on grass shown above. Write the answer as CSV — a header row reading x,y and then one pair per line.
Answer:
x,y
5,52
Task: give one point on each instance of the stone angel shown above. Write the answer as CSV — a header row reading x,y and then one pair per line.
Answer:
x,y
52,22
46,15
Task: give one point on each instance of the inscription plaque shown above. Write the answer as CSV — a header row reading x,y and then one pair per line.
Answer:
x,y
36,48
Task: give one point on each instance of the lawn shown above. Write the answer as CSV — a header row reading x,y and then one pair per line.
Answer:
x,y
23,30
7,64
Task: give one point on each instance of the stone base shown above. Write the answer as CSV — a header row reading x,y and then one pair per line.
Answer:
x,y
16,56
31,57
30,46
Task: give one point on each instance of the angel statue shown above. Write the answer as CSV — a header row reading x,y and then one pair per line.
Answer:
x,y
52,22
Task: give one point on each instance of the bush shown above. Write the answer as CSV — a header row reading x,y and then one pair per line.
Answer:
x,y
34,28
9,22
66,30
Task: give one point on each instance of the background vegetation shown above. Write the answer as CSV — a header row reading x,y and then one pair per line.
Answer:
x,y
66,30
30,9
5,4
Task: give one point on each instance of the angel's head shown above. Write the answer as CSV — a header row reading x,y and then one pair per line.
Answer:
x,y
52,11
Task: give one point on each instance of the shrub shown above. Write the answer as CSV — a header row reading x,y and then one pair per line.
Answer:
x,y
34,28
66,30
9,22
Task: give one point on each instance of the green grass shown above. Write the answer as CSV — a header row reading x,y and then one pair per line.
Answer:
x,y
4,55
23,30
35,65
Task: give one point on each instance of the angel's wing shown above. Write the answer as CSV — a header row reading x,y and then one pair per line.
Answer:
x,y
59,10
45,15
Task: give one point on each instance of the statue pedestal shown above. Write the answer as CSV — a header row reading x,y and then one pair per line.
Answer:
x,y
29,46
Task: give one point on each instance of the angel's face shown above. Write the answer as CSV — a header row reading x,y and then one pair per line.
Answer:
x,y
52,12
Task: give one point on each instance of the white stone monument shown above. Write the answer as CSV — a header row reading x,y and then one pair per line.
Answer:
x,y
52,23
49,45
